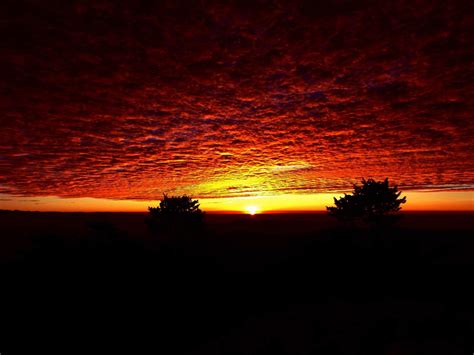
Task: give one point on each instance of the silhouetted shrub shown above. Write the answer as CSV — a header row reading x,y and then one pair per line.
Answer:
x,y
176,214
374,202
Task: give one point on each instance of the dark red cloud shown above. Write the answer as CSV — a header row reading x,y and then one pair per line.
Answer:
x,y
129,100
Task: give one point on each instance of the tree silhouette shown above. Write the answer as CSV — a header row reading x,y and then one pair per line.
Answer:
x,y
175,214
375,202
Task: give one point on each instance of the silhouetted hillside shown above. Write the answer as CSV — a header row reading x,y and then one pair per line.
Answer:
x,y
269,284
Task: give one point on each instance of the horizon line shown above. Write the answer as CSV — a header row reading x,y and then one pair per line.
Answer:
x,y
237,212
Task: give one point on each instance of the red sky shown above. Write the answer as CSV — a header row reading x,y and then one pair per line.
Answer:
x,y
214,100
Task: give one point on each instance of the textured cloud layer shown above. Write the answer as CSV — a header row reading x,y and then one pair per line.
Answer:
x,y
211,99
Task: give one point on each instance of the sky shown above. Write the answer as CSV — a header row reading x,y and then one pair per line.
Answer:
x,y
107,105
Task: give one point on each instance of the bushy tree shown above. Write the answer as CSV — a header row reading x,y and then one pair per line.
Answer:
x,y
175,214
375,202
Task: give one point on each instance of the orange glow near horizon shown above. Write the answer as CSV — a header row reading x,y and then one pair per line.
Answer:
x,y
416,201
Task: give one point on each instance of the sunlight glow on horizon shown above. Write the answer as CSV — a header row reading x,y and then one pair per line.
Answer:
x,y
252,210
416,201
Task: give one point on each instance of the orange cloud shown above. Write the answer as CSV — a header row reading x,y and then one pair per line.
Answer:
x,y
219,100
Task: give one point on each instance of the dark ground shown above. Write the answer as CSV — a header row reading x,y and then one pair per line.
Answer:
x,y
270,284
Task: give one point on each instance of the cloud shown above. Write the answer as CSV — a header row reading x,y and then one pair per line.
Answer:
x,y
107,100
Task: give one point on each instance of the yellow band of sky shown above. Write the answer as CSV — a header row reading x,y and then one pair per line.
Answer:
x,y
416,200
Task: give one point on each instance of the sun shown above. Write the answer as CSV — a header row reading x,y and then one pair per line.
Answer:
x,y
251,210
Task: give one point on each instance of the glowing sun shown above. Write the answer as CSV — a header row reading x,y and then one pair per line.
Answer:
x,y
252,210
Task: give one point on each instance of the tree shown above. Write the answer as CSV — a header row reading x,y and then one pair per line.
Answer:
x,y
375,202
175,214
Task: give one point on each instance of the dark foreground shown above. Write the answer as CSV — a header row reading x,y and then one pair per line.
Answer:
x,y
269,284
